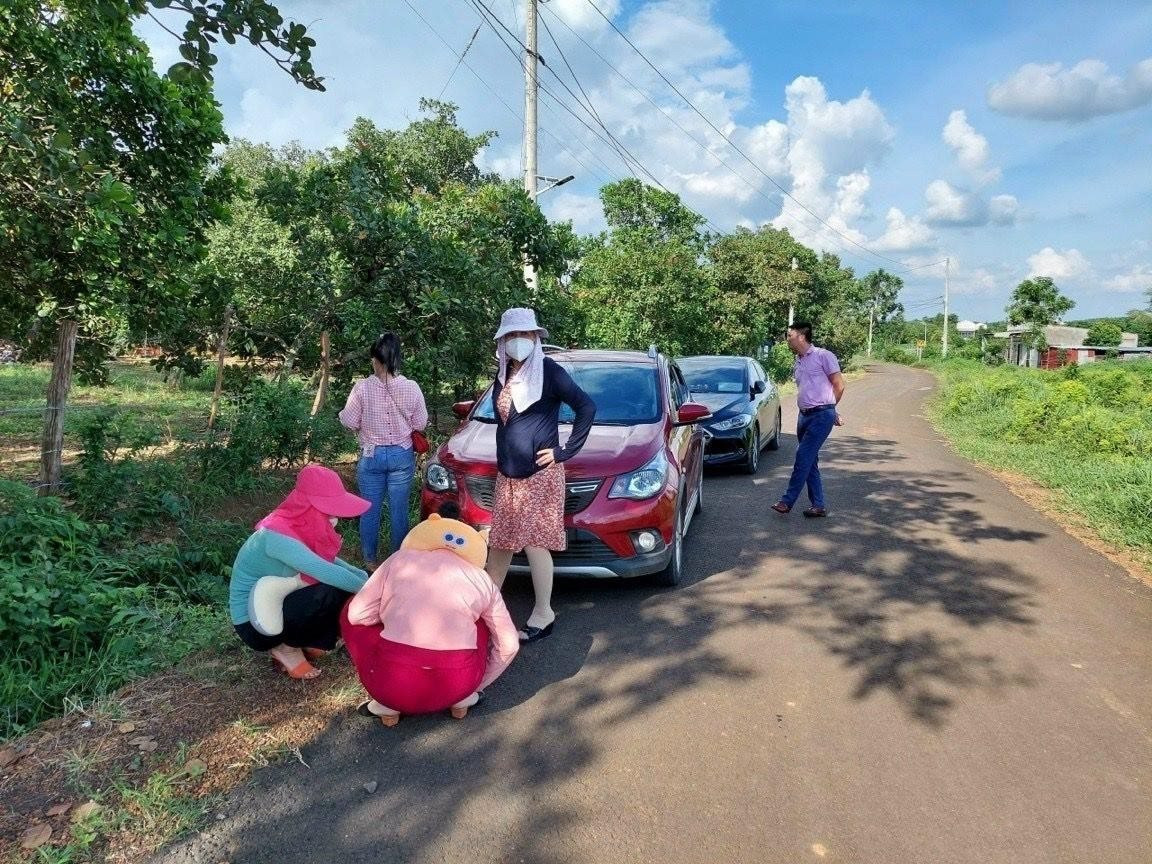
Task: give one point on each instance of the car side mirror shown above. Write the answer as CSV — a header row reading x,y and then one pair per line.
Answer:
x,y
462,409
692,412
759,387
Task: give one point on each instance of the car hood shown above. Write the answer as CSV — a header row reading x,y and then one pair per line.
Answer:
x,y
722,403
609,450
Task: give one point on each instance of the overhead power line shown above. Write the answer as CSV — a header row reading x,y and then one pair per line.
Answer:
x,y
735,147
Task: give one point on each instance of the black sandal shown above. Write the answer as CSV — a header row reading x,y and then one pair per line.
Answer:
x,y
534,634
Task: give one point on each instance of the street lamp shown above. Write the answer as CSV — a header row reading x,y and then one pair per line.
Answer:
x,y
552,182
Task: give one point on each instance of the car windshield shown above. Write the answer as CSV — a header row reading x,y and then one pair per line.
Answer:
x,y
705,376
625,393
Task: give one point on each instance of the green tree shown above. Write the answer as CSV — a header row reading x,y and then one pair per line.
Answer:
x,y
755,284
1035,304
1104,334
104,192
644,280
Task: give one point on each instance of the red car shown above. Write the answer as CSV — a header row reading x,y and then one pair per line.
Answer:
x,y
633,488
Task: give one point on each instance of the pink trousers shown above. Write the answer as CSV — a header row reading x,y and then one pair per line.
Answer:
x,y
414,680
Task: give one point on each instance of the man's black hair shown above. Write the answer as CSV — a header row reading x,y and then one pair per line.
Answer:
x,y
804,328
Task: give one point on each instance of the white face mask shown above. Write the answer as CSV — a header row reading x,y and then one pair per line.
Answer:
x,y
519,348
332,520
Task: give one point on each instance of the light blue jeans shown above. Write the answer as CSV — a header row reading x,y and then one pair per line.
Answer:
x,y
388,470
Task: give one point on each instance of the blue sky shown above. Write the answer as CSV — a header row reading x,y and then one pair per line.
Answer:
x,y
1013,139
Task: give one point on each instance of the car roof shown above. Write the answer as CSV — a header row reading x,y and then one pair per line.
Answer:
x,y
728,357
602,356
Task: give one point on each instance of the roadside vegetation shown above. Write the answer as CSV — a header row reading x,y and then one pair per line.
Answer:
x,y
1083,431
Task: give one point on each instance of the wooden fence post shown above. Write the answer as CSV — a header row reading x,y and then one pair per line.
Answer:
x,y
52,444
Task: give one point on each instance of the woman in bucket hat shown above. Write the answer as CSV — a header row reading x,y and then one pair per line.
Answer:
x,y
291,560
528,508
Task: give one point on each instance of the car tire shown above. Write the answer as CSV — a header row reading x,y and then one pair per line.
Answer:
x,y
752,462
774,444
671,575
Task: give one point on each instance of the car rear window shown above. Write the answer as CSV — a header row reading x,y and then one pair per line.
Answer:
x,y
625,393
703,377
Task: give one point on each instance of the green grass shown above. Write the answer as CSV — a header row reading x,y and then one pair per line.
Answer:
x,y
1086,434
135,388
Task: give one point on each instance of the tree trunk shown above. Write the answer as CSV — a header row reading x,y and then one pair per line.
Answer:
x,y
221,356
52,444
322,389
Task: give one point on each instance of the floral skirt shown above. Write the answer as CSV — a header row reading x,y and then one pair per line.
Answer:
x,y
529,511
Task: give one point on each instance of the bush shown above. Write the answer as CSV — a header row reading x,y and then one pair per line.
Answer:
x,y
77,619
779,362
274,425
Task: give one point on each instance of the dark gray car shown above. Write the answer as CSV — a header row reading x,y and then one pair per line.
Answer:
x,y
745,408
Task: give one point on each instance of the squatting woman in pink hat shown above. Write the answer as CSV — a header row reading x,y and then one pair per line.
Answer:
x,y
528,511
288,586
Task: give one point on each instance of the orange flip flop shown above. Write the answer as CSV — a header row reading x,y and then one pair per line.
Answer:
x,y
302,671
315,653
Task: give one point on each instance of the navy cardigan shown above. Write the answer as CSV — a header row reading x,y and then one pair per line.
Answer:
x,y
538,428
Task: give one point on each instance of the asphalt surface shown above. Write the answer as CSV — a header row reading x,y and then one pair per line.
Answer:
x,y
934,673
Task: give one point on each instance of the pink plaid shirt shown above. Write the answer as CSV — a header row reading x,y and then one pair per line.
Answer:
x,y
371,414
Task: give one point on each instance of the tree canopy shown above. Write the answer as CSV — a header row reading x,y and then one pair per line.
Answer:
x,y
1035,304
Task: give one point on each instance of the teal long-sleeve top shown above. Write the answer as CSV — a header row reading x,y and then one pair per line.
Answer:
x,y
267,553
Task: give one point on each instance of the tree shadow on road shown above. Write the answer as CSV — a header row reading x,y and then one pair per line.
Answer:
x,y
901,590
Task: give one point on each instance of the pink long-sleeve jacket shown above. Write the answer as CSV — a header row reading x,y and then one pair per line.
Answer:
x,y
433,599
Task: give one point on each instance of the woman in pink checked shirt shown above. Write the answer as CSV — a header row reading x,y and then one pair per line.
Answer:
x,y
382,410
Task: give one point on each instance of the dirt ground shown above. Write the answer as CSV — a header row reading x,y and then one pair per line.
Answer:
x,y
199,730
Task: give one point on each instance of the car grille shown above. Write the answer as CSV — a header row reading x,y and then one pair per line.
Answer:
x,y
578,493
584,547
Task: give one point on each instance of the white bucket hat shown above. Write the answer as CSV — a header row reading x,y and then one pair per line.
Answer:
x,y
519,319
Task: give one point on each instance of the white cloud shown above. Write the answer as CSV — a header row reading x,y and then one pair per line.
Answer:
x,y
1137,280
1003,209
903,233
1069,264
583,211
952,205
970,147
830,144
1050,92
580,15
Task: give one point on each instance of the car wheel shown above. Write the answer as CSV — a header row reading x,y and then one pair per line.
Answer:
x,y
774,444
671,575
752,463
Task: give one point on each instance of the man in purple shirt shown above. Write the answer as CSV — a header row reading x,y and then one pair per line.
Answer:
x,y
819,386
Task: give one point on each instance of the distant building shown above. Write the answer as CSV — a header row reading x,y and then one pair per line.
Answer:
x,y
1065,347
968,328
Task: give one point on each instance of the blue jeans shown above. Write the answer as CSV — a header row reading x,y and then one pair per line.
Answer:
x,y
389,469
812,430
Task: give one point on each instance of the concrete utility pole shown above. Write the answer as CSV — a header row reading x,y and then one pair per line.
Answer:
x,y
944,347
792,292
871,318
531,87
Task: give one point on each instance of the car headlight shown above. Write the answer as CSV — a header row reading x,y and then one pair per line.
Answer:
x,y
740,421
438,478
644,483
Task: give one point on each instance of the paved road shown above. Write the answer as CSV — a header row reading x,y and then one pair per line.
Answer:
x,y
935,673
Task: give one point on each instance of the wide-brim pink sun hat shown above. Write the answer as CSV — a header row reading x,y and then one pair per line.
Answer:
x,y
324,490
519,319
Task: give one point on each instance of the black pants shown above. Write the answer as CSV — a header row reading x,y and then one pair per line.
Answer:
x,y
311,620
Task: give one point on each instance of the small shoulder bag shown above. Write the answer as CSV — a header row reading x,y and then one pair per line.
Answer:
x,y
419,439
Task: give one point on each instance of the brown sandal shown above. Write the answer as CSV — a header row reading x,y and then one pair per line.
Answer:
x,y
781,507
813,512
